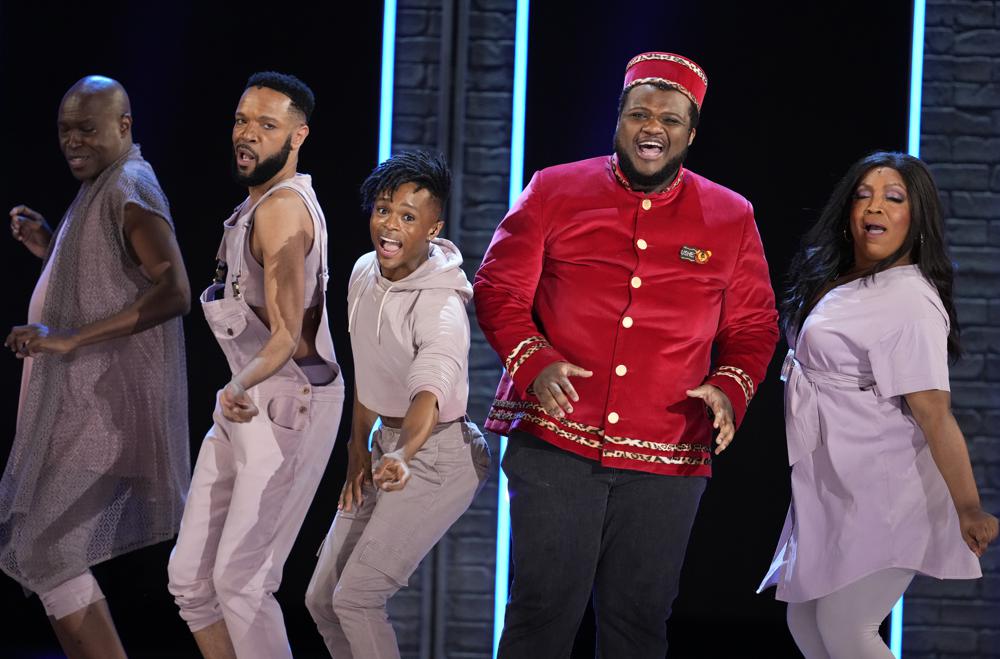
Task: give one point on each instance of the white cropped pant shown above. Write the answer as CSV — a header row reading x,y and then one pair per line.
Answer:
x,y
844,624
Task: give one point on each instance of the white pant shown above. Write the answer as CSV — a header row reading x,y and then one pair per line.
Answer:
x,y
71,596
844,624
252,485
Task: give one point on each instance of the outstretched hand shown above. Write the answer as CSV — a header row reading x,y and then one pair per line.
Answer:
x,y
722,412
554,390
391,472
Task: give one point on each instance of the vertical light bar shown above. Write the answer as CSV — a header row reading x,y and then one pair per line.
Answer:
x,y
913,148
516,185
896,630
916,77
385,107
520,96
388,71
503,552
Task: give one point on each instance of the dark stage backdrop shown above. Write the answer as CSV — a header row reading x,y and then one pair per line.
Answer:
x,y
795,95
184,64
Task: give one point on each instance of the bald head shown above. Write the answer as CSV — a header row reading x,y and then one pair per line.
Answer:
x,y
95,125
103,90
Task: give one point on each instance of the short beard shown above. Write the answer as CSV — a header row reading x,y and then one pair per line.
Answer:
x,y
646,182
266,169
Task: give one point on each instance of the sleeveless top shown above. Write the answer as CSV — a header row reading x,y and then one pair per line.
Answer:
x,y
254,295
226,304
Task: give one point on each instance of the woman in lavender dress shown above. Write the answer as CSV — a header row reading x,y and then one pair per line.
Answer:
x,y
882,487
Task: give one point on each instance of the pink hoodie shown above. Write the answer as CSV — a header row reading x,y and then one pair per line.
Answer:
x,y
411,335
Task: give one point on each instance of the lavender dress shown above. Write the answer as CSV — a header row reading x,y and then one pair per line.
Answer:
x,y
866,493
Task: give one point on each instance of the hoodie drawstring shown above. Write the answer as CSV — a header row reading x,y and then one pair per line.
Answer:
x,y
381,305
362,281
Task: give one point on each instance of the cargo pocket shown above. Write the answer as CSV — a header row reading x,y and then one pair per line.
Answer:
x,y
388,561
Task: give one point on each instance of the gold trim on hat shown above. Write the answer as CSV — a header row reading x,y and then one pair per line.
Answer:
x,y
676,85
667,57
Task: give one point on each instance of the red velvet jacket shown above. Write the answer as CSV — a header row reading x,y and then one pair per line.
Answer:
x,y
637,288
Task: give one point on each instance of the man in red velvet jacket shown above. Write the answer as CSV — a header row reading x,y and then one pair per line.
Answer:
x,y
605,290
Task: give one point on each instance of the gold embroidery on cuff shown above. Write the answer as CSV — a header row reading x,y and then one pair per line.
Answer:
x,y
522,344
740,372
524,357
739,381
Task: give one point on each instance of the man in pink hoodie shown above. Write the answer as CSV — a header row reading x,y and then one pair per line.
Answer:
x,y
410,339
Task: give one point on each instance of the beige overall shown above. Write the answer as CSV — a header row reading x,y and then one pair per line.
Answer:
x,y
253,482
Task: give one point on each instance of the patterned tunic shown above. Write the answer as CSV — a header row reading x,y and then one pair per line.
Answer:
x,y
100,462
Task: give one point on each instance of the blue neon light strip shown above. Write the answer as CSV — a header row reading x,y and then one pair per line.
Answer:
x,y
896,630
913,148
516,185
916,77
503,553
388,71
520,97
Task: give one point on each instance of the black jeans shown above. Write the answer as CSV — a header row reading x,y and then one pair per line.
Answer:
x,y
582,530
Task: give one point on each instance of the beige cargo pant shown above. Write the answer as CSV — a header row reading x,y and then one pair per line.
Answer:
x,y
371,551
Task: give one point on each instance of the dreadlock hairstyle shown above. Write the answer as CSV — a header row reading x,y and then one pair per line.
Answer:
x,y
827,249
426,170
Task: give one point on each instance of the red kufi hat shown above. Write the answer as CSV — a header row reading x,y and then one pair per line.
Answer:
x,y
679,72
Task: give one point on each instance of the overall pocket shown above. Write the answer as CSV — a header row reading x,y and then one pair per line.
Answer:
x,y
227,318
288,412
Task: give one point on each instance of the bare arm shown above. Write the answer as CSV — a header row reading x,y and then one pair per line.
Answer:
x,y
932,411
359,457
154,247
30,228
392,472
283,231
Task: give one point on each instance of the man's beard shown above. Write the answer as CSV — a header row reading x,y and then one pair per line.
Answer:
x,y
266,169
646,182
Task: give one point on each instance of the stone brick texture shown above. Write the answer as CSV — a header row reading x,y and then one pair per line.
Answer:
x,y
960,142
487,97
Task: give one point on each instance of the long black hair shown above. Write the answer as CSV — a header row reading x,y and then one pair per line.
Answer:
x,y
827,249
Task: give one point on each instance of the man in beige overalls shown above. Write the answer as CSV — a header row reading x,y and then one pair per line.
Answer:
x,y
276,420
